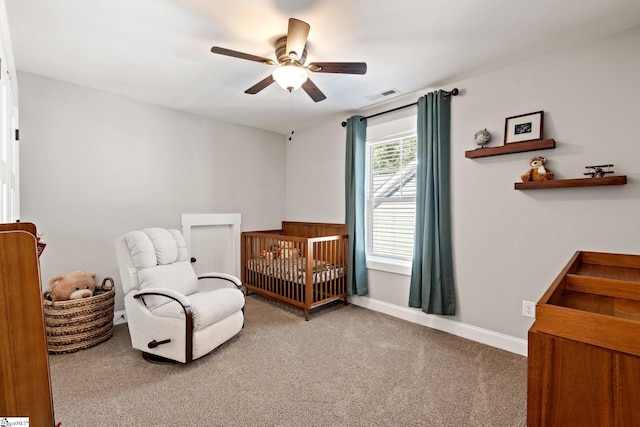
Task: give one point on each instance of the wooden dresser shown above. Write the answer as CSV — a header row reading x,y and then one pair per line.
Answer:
x,y
584,347
25,385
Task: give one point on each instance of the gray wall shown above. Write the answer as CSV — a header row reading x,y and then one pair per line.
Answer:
x,y
95,166
509,245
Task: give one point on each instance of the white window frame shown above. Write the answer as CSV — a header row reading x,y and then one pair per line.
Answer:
x,y
393,129
9,150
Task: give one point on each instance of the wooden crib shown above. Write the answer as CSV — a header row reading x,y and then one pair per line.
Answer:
x,y
303,265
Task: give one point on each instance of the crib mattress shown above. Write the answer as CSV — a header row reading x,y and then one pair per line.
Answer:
x,y
294,269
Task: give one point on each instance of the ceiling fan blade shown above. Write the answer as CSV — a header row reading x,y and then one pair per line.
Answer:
x,y
297,38
313,91
260,85
241,55
338,67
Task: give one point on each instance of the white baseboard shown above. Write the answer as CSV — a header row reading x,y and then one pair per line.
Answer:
x,y
474,333
119,317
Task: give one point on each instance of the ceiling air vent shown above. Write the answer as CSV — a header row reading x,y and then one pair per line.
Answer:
x,y
382,94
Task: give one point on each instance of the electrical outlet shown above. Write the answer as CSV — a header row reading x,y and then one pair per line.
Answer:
x,y
529,309
119,317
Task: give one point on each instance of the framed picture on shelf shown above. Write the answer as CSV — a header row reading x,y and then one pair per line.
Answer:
x,y
524,127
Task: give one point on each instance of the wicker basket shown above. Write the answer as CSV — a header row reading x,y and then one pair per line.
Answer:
x,y
81,323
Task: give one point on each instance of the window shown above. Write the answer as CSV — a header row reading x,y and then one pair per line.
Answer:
x,y
391,195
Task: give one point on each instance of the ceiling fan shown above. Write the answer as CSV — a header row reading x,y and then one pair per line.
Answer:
x,y
292,73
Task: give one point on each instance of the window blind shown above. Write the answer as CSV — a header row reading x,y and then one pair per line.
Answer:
x,y
391,196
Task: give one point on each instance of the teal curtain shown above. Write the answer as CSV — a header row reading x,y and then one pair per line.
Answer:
x,y
432,287
354,205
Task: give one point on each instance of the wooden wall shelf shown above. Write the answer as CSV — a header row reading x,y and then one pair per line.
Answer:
x,y
515,147
578,182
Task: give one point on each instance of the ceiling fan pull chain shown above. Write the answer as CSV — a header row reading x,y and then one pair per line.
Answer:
x,y
291,131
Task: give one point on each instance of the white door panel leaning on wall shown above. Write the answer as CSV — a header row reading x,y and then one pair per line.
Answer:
x,y
214,241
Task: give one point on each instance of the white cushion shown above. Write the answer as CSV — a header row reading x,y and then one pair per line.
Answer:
x,y
207,307
141,249
164,245
180,244
178,276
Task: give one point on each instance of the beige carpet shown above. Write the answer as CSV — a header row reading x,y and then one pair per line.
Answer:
x,y
347,366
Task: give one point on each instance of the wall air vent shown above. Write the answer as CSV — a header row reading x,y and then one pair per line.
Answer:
x,y
383,94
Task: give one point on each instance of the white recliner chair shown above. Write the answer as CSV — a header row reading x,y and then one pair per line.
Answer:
x,y
172,313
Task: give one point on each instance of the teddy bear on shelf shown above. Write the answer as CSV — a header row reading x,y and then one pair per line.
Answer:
x,y
74,285
538,171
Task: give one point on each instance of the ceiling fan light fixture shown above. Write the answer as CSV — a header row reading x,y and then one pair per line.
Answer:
x,y
291,72
290,77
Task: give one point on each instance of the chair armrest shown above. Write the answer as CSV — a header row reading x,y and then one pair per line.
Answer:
x,y
188,315
169,293
224,276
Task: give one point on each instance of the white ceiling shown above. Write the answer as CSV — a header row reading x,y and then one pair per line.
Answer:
x,y
158,51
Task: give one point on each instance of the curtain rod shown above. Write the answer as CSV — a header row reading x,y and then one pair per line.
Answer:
x,y
454,92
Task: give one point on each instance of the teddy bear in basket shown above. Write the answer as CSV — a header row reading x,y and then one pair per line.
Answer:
x,y
73,285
